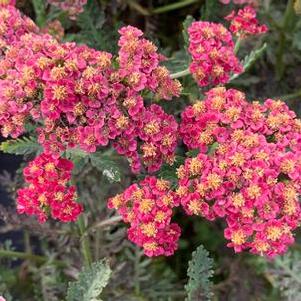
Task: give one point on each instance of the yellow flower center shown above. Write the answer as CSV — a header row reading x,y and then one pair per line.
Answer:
x,y
146,205
238,237
152,128
149,229
254,191
214,181
59,92
274,232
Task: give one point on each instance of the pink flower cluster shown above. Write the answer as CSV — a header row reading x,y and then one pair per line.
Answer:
x,y
240,2
47,192
7,2
248,170
212,50
82,100
244,23
12,26
147,207
72,7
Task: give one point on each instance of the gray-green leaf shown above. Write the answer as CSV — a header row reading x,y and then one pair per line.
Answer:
x,y
199,286
90,283
21,146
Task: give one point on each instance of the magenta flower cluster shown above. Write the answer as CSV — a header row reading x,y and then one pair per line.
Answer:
x,y
48,193
244,23
147,207
82,101
212,50
248,170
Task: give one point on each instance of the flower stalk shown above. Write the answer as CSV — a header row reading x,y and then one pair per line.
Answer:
x,y
180,74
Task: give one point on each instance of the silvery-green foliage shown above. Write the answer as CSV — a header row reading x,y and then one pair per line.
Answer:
x,y
90,283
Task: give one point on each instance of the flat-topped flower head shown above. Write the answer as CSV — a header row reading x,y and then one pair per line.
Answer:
x,y
244,23
81,99
147,207
212,51
47,192
247,170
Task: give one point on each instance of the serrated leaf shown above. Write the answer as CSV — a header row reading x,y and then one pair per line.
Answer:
x,y
209,10
21,146
90,283
107,166
199,286
93,31
285,273
250,59
212,148
193,153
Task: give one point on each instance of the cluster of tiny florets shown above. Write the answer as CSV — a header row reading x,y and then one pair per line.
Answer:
x,y
82,101
244,23
212,50
147,207
248,170
48,192
80,97
12,26
72,7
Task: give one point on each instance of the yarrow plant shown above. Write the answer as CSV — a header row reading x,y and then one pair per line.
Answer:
x,y
82,101
247,170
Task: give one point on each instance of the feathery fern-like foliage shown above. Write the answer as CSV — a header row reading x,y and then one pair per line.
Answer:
x,y
285,272
199,286
21,146
91,282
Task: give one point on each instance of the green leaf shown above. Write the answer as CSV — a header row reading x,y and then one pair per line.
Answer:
x,y
40,11
212,148
94,32
199,286
193,153
90,283
250,59
21,146
105,164
209,11
285,273
186,24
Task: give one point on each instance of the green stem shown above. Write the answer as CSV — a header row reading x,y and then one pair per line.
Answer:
x,y
237,45
29,256
180,74
85,242
173,6
140,9
105,223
